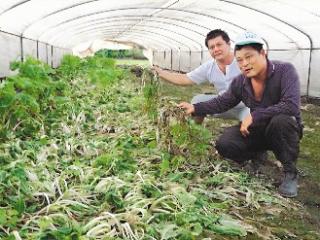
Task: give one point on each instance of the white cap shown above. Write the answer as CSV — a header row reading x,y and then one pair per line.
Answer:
x,y
248,38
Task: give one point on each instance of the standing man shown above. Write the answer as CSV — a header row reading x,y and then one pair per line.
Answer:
x,y
218,71
271,90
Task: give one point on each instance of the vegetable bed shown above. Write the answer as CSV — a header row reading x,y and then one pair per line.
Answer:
x,y
91,151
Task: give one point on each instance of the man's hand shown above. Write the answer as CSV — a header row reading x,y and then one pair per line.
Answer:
x,y
156,69
173,77
245,125
189,108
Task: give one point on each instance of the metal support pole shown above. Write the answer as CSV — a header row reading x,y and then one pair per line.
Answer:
x,y
47,45
152,57
171,59
21,48
37,49
52,56
179,59
189,61
201,57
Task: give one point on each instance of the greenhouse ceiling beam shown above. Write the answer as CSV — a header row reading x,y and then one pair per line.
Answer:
x,y
107,30
132,8
301,7
73,6
138,36
141,41
169,4
14,6
48,15
143,36
87,2
197,44
154,19
286,23
166,38
150,20
70,7
148,44
95,25
176,43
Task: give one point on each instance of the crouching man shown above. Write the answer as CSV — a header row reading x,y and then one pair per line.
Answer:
x,y
271,90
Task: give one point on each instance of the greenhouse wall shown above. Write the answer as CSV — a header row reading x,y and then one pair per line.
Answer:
x,y
185,59
300,59
15,47
176,60
314,87
57,55
180,61
10,51
167,59
195,60
205,56
29,48
42,52
49,56
158,57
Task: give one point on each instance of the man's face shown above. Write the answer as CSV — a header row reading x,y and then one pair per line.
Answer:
x,y
218,48
250,61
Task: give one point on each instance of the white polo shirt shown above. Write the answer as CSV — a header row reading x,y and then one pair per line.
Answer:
x,y
210,71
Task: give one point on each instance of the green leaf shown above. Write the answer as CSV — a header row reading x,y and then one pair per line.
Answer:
x,y
185,198
164,166
3,217
196,229
150,190
168,231
228,226
19,205
44,223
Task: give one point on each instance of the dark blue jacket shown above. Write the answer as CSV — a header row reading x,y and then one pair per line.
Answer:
x,y
281,95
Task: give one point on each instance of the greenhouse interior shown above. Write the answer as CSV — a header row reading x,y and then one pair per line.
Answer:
x,y
98,143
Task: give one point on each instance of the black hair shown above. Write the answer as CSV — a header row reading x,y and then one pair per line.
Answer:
x,y
256,46
216,33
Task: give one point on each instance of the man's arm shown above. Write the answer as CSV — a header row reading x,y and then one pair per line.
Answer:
x,y
289,103
175,78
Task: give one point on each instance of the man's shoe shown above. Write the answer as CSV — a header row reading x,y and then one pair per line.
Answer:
x,y
289,185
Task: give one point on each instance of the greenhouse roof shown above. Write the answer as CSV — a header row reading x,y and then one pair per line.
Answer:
x,y
172,31
162,24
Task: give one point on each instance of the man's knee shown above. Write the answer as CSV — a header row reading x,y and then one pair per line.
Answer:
x,y
223,147
231,150
202,98
195,100
283,136
227,147
282,122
